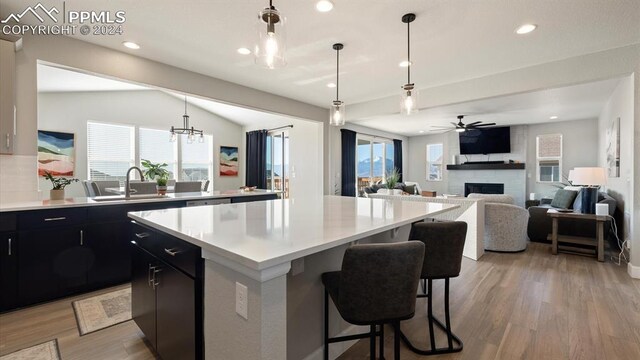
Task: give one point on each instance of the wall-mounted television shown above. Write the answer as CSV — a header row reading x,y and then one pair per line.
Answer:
x,y
496,140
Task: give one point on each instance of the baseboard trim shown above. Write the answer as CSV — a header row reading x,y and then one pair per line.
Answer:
x,y
336,349
633,271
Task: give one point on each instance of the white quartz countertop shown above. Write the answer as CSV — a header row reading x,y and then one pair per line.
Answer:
x,y
86,201
263,234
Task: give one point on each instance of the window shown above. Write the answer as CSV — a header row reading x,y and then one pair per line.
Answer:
x,y
434,162
278,161
156,147
197,159
374,160
110,151
549,157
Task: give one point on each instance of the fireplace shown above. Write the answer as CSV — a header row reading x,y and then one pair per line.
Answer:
x,y
483,188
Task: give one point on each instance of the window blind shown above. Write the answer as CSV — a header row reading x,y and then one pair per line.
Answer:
x,y
197,159
110,151
156,147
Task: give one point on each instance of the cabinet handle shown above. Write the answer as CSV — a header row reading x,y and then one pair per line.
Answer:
x,y
149,277
56,218
9,243
142,235
172,252
156,283
8,141
81,237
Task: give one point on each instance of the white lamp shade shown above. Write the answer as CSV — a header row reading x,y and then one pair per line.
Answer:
x,y
588,176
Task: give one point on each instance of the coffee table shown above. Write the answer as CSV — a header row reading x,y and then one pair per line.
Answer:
x,y
599,235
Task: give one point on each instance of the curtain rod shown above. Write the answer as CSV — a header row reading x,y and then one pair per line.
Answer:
x,y
281,127
375,136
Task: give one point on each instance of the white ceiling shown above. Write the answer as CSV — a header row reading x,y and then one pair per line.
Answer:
x,y
451,40
578,102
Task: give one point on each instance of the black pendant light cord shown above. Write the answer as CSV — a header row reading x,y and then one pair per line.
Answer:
x,y
408,53
337,74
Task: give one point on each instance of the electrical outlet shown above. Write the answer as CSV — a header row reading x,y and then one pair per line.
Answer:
x,y
242,295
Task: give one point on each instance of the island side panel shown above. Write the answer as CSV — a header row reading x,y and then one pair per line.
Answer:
x,y
229,335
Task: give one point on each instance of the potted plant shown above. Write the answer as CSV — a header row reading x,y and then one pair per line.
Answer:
x,y
392,180
157,172
58,184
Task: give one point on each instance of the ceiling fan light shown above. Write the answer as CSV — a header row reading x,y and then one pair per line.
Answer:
x,y
270,48
461,130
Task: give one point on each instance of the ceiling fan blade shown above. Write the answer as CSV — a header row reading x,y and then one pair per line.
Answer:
x,y
474,123
454,124
487,124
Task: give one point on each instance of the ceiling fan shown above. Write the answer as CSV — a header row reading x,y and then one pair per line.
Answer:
x,y
462,127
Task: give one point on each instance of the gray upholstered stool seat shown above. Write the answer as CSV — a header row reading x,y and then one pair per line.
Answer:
x,y
377,285
444,243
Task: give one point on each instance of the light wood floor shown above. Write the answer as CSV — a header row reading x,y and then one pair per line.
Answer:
x,y
529,305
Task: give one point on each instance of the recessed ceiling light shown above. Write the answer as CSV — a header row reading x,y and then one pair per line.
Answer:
x,y
331,85
553,117
244,51
324,5
131,45
405,63
421,131
525,29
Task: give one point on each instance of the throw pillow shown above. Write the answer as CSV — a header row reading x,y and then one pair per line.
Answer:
x,y
564,199
411,189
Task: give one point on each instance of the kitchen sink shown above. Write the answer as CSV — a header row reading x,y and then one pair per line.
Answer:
x,y
132,197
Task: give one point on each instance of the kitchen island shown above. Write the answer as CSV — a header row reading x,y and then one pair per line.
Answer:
x,y
261,265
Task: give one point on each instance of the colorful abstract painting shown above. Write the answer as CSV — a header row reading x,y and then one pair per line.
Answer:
x,y
228,161
56,153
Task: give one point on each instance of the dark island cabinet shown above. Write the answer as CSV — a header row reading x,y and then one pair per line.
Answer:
x,y
8,270
110,253
166,294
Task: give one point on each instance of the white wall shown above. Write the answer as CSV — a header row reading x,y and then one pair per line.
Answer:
x,y
70,111
578,150
334,177
305,154
418,161
621,105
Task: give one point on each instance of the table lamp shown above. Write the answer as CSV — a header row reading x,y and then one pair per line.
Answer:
x,y
590,178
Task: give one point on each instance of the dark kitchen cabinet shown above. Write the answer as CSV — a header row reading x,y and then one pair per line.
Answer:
x,y
8,270
143,294
166,299
52,262
110,252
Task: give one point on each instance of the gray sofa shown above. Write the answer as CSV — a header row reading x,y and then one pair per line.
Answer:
x,y
540,224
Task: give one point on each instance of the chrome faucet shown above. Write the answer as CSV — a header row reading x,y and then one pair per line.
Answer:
x,y
127,189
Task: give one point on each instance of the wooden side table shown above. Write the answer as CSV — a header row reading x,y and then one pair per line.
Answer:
x,y
599,236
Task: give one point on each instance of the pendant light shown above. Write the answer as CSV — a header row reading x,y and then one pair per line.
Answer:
x,y
269,50
190,131
337,113
409,95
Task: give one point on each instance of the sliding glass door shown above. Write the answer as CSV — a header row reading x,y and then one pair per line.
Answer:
x,y
278,161
374,160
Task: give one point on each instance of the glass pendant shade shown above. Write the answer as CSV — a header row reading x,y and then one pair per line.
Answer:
x,y
408,100
270,49
337,113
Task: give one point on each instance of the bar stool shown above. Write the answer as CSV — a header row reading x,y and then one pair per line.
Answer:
x,y
444,242
376,286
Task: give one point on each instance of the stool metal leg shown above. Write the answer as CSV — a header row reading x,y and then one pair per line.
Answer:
x,y
452,339
381,341
396,340
432,337
372,343
326,325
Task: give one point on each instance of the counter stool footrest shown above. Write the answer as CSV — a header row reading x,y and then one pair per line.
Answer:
x,y
437,351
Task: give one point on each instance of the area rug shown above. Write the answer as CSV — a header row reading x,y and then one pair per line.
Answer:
x,y
45,351
102,311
